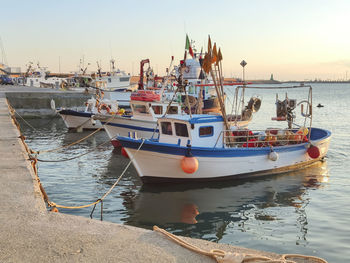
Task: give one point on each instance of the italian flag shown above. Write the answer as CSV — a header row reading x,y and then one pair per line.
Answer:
x,y
188,46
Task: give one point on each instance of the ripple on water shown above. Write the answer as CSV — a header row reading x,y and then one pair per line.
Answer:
x,y
300,212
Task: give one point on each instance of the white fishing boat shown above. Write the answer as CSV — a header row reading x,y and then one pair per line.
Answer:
x,y
39,78
146,108
80,119
114,80
207,147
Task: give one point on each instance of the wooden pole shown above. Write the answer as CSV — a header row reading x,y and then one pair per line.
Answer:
x,y
222,105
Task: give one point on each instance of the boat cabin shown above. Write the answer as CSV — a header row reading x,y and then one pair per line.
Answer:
x,y
152,110
198,131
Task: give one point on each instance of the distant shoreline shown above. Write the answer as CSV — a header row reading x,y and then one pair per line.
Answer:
x,y
295,81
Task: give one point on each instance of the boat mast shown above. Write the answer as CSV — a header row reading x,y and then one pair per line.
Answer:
x,y
214,58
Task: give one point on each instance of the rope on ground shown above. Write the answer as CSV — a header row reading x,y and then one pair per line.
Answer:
x,y
227,257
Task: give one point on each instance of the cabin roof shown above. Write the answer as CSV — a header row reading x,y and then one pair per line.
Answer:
x,y
196,118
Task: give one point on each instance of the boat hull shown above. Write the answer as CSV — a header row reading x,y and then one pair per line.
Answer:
x,y
123,126
76,119
160,162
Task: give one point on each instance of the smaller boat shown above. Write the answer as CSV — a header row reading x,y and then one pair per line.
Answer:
x,y
83,118
320,105
39,78
146,108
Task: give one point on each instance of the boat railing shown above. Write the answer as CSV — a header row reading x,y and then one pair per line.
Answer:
x,y
246,138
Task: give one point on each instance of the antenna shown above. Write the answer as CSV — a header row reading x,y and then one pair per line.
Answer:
x,y
3,55
59,64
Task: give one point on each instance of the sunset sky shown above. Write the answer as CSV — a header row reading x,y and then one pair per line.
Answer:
x,y
291,39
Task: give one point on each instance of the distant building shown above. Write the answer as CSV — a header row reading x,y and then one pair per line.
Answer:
x,y
271,78
13,71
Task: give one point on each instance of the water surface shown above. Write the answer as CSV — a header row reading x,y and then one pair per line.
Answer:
x,y
300,212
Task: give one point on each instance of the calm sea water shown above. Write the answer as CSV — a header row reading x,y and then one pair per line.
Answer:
x,y
303,212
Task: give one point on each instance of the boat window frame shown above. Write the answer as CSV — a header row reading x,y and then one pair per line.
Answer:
x,y
137,105
176,130
167,129
158,106
206,135
124,79
173,107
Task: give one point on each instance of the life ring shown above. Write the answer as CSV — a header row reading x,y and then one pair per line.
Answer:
x,y
254,104
105,107
192,100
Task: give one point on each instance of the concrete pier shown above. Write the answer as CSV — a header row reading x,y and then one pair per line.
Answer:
x,y
30,233
35,102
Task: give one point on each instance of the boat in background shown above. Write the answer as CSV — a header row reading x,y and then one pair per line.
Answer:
x,y
80,119
146,108
39,78
114,80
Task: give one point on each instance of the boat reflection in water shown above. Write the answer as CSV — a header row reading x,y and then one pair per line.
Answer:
x,y
206,210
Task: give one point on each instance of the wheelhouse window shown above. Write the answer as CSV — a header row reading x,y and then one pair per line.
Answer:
x,y
157,109
139,108
181,129
166,128
124,79
173,110
206,131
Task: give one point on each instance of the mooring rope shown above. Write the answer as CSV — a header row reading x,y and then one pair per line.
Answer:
x,y
222,256
34,160
76,142
52,204
34,156
23,119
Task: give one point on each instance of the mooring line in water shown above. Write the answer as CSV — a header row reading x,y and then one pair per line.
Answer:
x,y
34,162
34,155
23,119
54,205
78,141
222,256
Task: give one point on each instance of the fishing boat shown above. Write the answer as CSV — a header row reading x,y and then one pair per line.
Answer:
x,y
39,78
209,147
82,118
146,108
114,80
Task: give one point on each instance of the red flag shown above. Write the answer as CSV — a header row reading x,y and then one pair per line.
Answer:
x,y
191,51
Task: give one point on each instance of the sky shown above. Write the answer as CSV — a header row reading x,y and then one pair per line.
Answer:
x,y
293,40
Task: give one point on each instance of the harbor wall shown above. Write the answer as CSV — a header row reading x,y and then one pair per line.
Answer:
x,y
38,104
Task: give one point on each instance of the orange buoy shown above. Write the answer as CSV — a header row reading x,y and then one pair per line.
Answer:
x,y
313,152
124,153
189,164
54,209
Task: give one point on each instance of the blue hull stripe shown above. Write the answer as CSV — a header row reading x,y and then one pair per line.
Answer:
x,y
138,128
202,151
75,113
172,149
